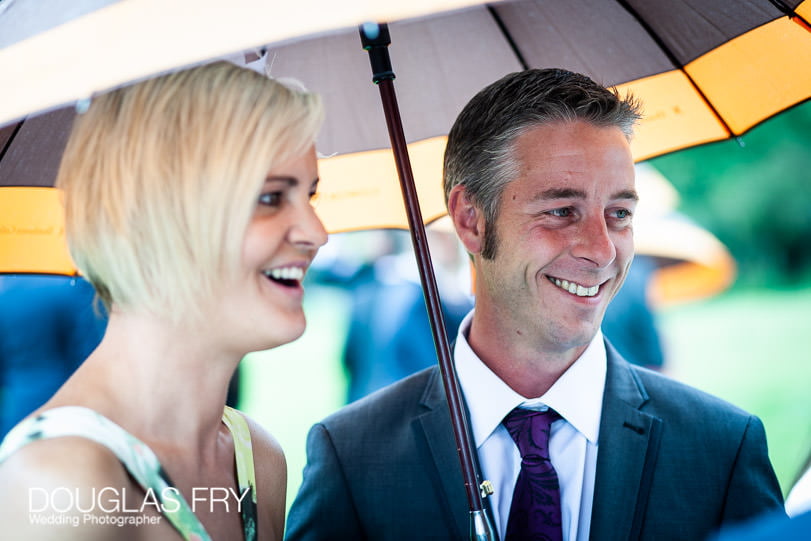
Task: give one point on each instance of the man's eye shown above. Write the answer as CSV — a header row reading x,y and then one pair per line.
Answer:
x,y
271,199
561,213
623,214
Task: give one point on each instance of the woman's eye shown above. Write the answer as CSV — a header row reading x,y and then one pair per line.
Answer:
x,y
271,199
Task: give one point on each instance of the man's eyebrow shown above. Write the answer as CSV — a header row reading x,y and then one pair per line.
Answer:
x,y
627,194
560,193
572,193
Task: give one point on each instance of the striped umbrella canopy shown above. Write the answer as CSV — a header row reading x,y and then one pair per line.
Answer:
x,y
705,72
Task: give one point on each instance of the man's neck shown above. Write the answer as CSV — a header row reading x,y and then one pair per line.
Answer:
x,y
529,370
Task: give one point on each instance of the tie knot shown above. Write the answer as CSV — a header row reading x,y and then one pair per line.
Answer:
x,y
530,430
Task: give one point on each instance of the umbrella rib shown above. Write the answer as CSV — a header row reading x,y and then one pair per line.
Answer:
x,y
508,37
676,63
7,144
791,14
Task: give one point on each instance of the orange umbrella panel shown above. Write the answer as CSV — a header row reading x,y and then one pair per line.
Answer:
x,y
32,233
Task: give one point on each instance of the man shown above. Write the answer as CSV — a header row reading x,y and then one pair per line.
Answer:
x,y
539,183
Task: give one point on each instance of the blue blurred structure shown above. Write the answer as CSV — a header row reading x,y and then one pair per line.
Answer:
x,y
48,326
389,335
629,321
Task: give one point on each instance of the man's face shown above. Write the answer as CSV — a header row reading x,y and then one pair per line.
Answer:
x,y
564,236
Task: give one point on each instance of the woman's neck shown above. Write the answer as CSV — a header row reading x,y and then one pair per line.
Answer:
x,y
160,381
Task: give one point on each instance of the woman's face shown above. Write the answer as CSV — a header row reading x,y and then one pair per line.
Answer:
x,y
281,241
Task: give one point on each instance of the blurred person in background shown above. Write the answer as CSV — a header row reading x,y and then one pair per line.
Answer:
x,y
630,321
48,326
188,208
389,335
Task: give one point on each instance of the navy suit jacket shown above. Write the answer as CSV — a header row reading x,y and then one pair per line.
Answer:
x,y
672,463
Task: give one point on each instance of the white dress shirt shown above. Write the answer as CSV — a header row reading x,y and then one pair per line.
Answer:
x,y
577,396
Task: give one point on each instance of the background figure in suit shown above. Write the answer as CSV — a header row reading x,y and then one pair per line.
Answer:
x,y
389,335
629,321
48,326
539,182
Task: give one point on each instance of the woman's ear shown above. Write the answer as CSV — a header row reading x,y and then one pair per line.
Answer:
x,y
467,219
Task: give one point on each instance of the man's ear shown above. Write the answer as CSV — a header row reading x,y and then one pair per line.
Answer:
x,y
467,219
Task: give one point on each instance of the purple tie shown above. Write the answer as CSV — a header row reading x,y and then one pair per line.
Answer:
x,y
535,508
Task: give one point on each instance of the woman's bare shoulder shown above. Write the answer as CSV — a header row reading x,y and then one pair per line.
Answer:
x,y
69,458
49,486
271,480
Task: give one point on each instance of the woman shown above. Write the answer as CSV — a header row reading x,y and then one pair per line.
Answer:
x,y
188,207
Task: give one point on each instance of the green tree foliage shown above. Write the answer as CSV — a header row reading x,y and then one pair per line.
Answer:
x,y
754,195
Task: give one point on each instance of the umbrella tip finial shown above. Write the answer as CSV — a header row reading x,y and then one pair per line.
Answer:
x,y
370,30
82,105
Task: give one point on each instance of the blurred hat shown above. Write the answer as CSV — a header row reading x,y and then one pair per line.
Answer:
x,y
692,263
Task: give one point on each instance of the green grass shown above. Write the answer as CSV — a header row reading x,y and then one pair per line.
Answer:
x,y
753,349
750,348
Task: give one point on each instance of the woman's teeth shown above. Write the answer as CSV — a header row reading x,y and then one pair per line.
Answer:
x,y
285,275
575,289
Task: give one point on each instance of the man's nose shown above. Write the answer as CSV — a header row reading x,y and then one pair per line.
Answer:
x,y
594,242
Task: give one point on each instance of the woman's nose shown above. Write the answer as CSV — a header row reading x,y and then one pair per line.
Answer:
x,y
308,231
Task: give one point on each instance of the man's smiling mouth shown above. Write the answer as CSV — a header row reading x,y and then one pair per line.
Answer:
x,y
574,288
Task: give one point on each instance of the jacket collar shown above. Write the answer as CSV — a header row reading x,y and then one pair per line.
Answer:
x,y
628,447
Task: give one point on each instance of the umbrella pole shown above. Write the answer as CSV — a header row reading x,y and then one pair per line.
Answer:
x,y
375,39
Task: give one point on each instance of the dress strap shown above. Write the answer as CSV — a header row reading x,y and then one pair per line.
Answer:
x,y
246,475
139,460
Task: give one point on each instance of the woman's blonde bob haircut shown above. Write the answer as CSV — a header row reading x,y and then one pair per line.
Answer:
x,y
161,178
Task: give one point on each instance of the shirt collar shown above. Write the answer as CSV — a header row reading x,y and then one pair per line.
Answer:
x,y
577,395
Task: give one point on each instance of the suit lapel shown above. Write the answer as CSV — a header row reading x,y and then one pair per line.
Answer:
x,y
628,447
435,424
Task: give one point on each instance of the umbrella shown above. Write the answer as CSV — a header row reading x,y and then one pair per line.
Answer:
x,y
705,73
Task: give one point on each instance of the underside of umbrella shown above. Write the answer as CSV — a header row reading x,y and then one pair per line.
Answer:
x,y
32,232
704,72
